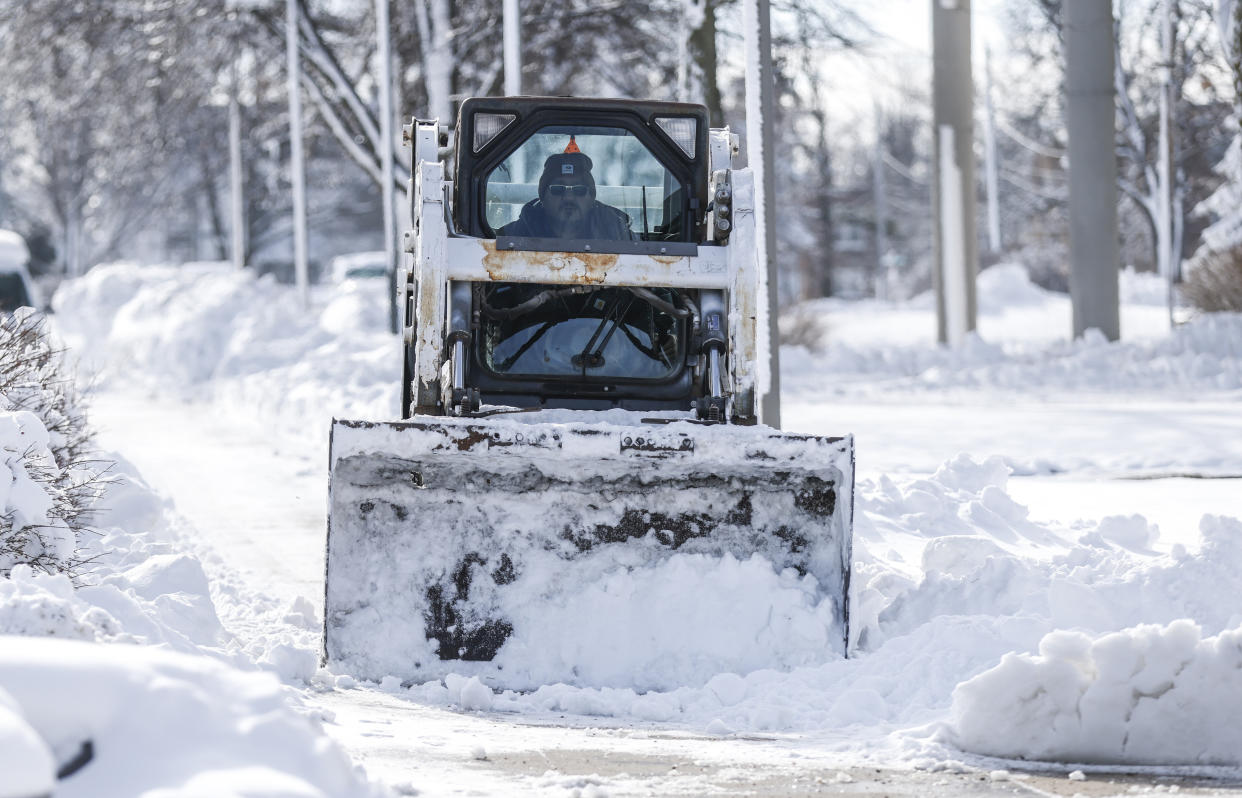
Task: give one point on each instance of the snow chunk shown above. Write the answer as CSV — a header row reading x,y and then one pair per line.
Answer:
x,y
1129,531
476,696
1149,695
291,662
729,688
469,693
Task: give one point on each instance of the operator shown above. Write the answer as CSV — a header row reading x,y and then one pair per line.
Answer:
x,y
566,206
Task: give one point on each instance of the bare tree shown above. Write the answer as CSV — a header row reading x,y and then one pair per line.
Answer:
x,y
1197,110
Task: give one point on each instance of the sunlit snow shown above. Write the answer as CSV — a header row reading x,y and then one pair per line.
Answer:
x,y
1040,570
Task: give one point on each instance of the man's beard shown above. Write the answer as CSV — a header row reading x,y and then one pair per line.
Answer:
x,y
569,220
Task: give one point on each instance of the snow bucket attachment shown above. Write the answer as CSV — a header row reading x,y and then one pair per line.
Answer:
x,y
644,556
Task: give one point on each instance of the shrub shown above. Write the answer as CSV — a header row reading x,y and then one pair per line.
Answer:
x,y
802,326
33,378
1213,281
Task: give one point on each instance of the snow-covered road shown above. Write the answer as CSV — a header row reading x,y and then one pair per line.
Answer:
x,y
260,500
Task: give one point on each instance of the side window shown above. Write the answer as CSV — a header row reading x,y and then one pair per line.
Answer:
x,y
589,182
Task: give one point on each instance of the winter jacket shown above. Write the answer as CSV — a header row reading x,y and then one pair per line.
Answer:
x,y
604,223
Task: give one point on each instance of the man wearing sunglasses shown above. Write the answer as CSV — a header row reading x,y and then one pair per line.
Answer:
x,y
566,206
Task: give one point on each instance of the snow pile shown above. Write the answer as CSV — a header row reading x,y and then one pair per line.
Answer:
x,y
162,722
1036,361
1150,695
951,576
1143,288
507,536
25,759
172,696
28,531
185,724
641,628
1002,287
209,331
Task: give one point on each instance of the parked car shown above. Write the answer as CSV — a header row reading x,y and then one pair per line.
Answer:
x,y
17,289
359,266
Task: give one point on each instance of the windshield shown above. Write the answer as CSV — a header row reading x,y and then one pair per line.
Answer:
x,y
547,331
578,181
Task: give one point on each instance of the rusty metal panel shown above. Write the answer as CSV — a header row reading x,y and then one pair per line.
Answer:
x,y
432,300
744,295
479,260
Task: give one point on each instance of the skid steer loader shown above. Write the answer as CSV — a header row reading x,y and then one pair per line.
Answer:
x,y
579,478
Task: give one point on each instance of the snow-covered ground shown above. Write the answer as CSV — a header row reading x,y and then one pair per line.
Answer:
x,y
1047,550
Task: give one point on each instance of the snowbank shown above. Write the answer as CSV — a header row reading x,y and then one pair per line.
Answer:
x,y
1022,347
208,331
1150,695
29,532
71,671
162,722
136,660
951,577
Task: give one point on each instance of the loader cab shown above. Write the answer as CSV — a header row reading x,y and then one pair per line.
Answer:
x,y
604,177
647,159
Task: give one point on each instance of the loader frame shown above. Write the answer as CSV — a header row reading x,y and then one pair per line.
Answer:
x,y
454,540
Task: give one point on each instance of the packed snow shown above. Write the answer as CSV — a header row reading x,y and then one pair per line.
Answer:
x,y
580,611
981,625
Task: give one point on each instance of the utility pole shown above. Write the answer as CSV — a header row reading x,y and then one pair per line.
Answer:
x,y
513,48
297,166
1090,106
237,208
1166,258
760,114
387,198
953,196
686,28
991,164
880,189
439,63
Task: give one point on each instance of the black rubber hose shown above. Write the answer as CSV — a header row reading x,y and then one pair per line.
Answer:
x,y
653,299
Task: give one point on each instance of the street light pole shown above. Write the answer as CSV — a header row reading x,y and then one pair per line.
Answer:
x,y
1090,106
953,198
760,114
991,164
237,208
1166,257
387,198
513,48
297,166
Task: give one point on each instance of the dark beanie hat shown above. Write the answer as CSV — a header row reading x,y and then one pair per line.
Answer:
x,y
566,163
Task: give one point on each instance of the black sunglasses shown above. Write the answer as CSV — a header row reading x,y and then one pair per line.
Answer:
x,y
560,190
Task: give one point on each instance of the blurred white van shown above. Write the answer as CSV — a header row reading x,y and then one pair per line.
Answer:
x,y
17,289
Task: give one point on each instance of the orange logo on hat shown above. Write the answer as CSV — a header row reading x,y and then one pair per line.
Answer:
x,y
572,146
